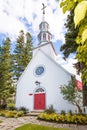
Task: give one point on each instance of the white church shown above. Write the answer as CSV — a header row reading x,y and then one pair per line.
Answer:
x,y
39,85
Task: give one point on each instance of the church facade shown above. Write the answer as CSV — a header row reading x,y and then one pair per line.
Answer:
x,y
39,85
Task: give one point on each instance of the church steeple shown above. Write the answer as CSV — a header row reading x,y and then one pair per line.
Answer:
x,y
44,36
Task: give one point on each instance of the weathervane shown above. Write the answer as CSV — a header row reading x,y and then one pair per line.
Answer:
x,y
43,10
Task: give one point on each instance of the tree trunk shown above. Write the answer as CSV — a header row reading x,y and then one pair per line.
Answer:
x,y
85,95
79,108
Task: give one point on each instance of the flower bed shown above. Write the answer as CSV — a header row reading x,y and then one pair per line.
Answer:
x,y
67,118
11,113
0,121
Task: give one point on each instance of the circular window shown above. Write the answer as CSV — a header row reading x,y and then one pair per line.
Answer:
x,y
39,70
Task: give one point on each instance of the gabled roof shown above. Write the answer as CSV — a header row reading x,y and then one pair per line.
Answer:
x,y
39,50
45,45
55,62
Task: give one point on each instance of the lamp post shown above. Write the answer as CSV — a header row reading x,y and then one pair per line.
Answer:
x,y
37,83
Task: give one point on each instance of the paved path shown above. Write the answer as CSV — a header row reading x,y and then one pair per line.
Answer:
x,y
12,123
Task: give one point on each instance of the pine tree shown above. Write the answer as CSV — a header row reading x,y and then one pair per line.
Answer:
x,y
27,55
70,45
22,53
6,74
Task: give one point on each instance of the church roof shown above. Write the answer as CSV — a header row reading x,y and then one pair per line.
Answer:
x,y
51,59
41,45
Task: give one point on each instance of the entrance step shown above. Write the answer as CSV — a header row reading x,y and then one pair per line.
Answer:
x,y
35,112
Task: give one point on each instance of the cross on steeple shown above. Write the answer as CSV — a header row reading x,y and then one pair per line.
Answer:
x,y
43,10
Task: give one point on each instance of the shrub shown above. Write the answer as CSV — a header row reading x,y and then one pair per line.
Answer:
x,y
60,118
24,109
63,112
70,112
11,106
50,110
0,121
3,112
19,114
3,106
11,113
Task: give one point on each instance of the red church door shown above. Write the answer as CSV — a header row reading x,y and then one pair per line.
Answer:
x,y
39,101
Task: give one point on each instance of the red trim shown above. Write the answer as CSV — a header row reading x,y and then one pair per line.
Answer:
x,y
79,85
30,94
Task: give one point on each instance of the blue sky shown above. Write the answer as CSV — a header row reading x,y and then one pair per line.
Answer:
x,y
16,15
27,15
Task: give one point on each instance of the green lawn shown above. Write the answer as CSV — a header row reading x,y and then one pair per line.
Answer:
x,y
38,127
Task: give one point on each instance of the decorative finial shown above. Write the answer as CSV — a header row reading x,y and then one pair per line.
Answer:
x,y
43,10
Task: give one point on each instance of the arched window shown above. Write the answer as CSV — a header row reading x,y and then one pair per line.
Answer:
x,y
40,90
44,36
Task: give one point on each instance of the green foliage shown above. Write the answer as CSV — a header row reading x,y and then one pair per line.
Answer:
x,y
19,114
11,106
64,118
71,94
70,112
24,109
67,5
0,121
11,113
70,45
12,65
80,12
10,102
6,74
63,112
50,109
38,127
22,53
80,20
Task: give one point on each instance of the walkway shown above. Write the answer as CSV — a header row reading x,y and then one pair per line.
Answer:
x,y
12,123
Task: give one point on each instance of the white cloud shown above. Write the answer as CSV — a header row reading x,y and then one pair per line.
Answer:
x,y
68,65
11,11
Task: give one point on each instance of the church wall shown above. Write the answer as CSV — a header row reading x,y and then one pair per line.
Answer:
x,y
53,77
48,50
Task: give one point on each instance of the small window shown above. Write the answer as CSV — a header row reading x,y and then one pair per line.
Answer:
x,y
44,36
49,37
43,25
39,90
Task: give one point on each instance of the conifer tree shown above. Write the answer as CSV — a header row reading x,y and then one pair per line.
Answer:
x,y
6,74
70,45
22,53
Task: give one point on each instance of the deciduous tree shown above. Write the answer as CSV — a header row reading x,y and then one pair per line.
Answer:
x,y
80,20
71,94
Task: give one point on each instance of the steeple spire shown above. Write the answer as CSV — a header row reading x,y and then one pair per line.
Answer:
x,y
43,10
44,36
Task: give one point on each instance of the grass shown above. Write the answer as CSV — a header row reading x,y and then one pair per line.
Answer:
x,y
38,127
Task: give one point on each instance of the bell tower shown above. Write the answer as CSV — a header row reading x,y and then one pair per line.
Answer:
x,y
44,36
